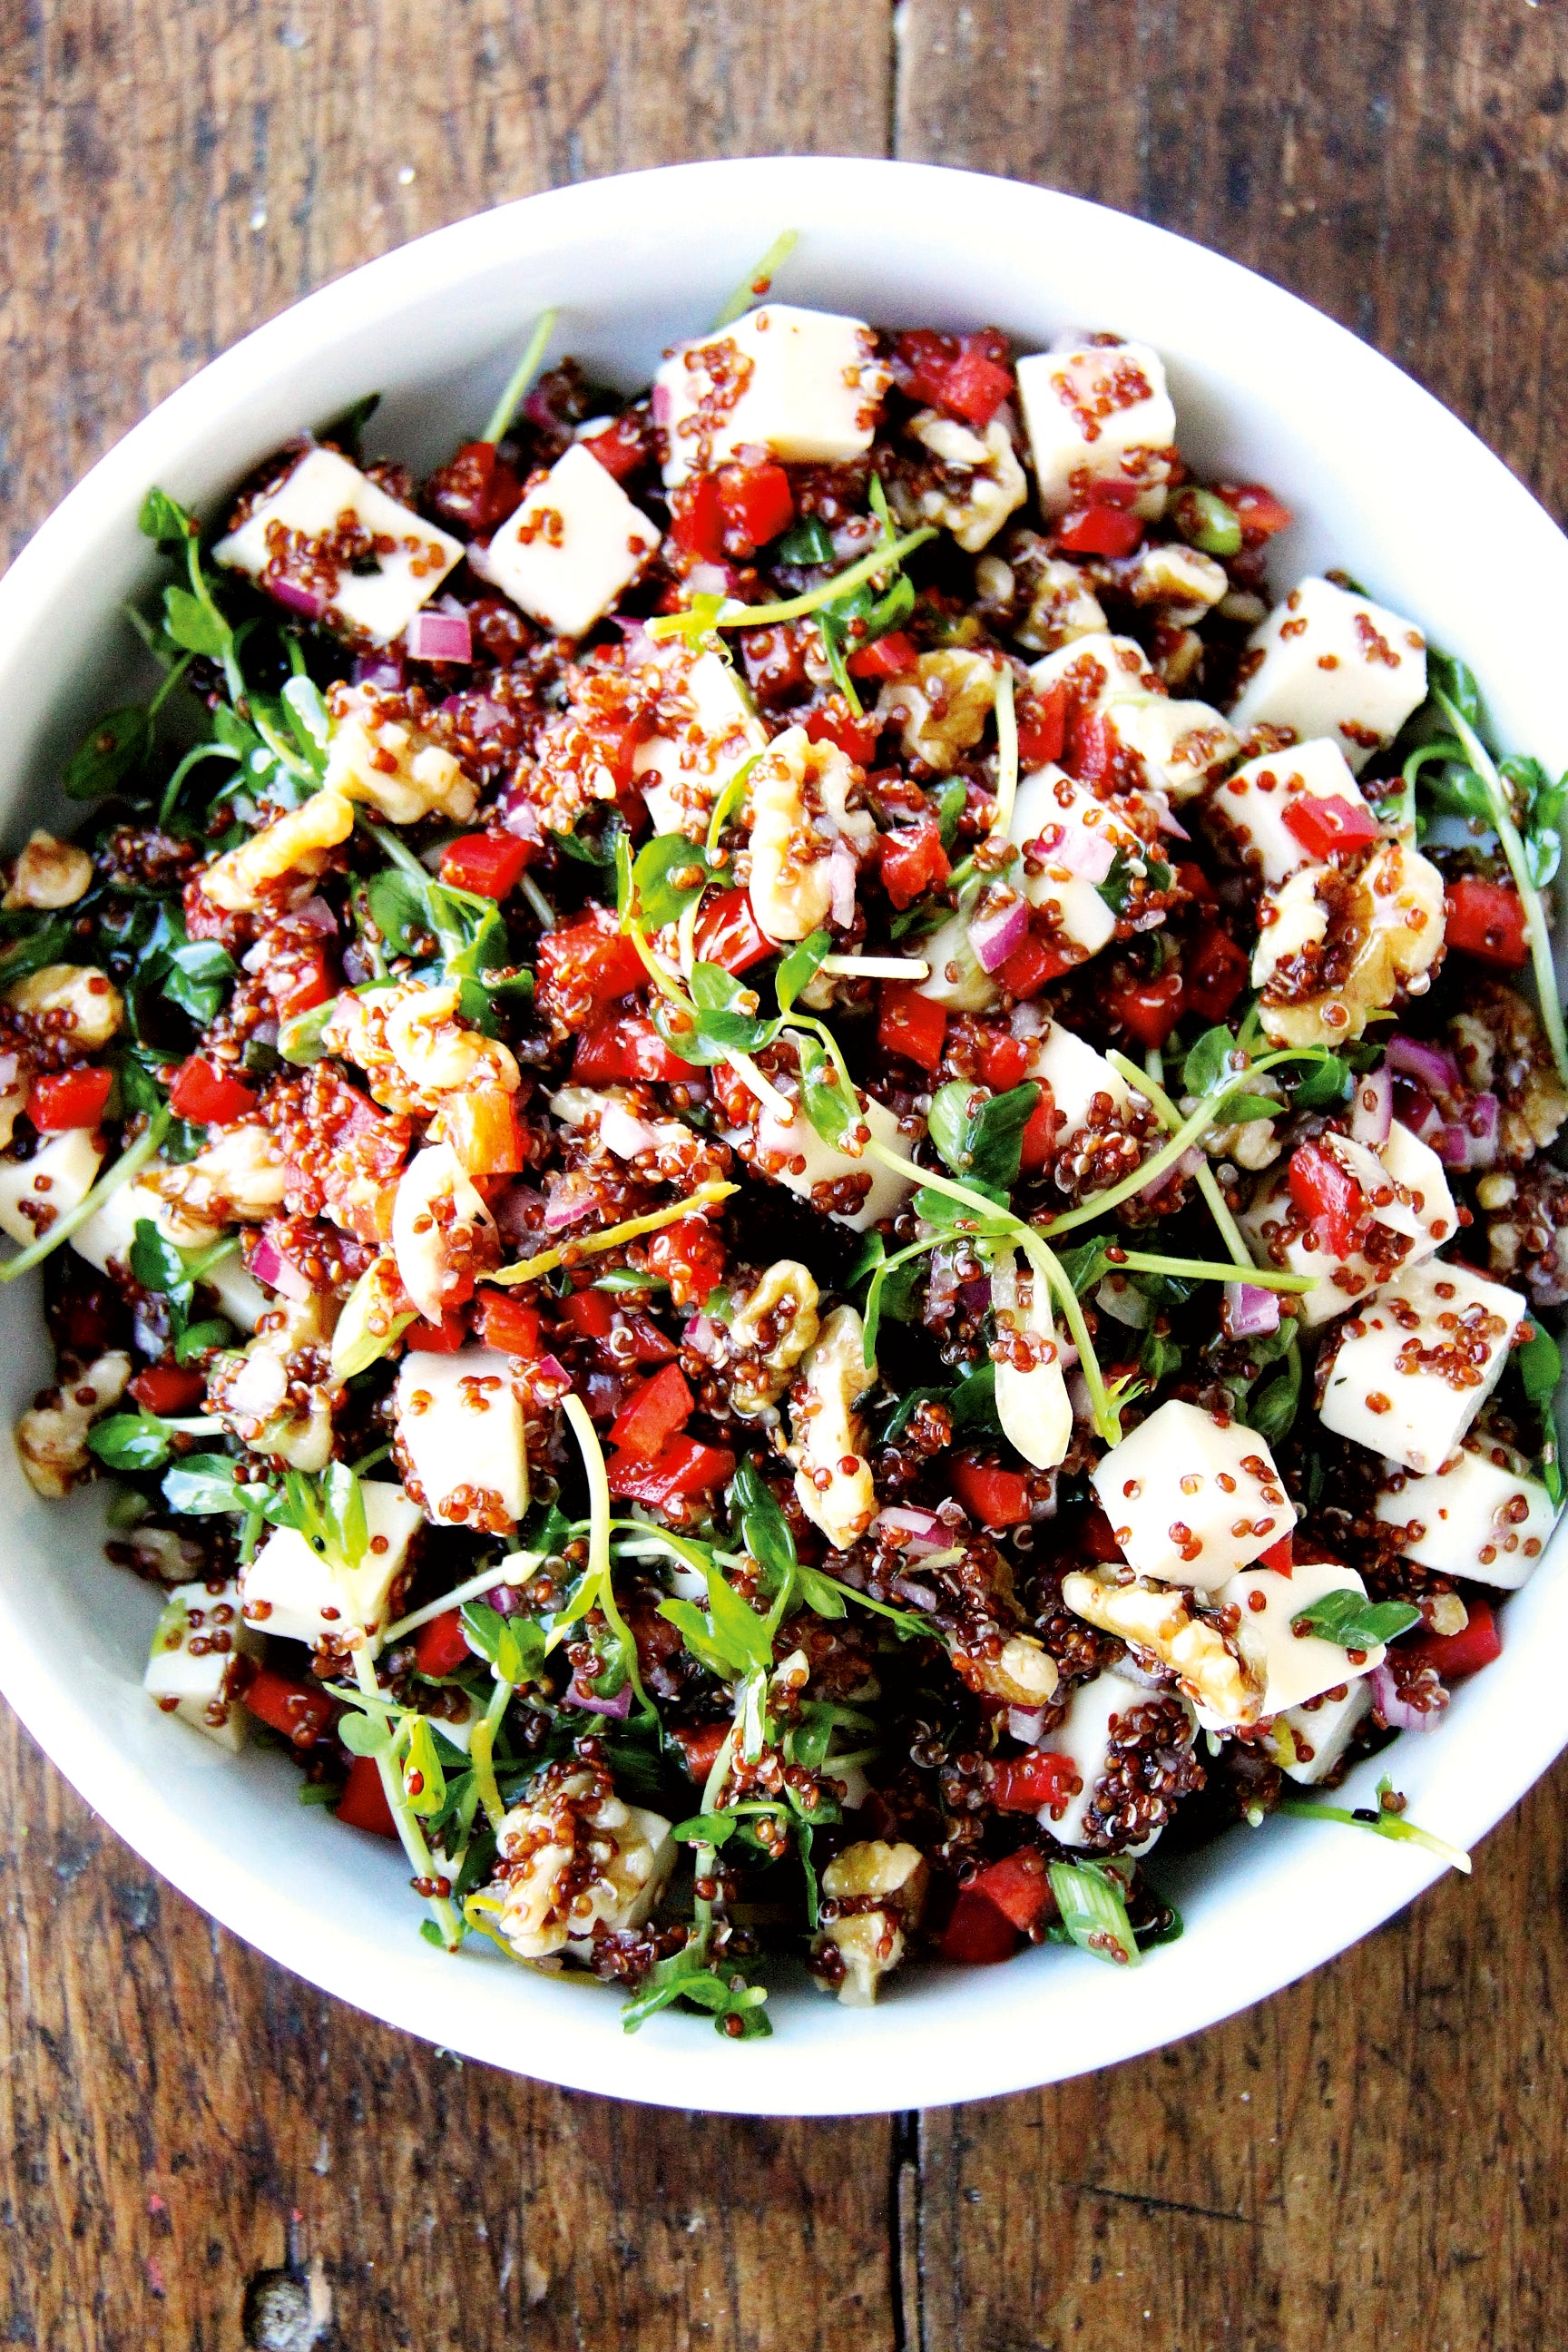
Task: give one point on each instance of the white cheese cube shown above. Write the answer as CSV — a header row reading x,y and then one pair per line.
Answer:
x,y
1291,1667
307,538
1069,838
571,547
707,726
1192,1498
1086,1734
239,1295
1032,1402
1096,412
1322,1728
1328,663
1418,1360
460,1442
201,1637
957,978
1085,1088
1404,1182
805,1160
1481,1516
1246,813
60,1173
805,384
291,1591
1177,747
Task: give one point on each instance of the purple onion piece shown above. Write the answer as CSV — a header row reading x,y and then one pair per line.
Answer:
x,y
996,937
1371,1114
439,636
620,1706
1432,1065
1396,1712
1250,1311
1472,1141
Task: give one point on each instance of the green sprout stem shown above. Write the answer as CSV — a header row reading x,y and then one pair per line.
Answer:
x,y
1380,1824
758,279
129,1165
882,558
1148,1082
521,377
403,1813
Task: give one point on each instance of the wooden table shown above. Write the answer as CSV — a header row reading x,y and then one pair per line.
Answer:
x,y
202,2151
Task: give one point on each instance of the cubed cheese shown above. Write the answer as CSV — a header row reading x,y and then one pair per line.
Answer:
x,y
1192,1499
291,1591
328,541
1482,1516
1178,748
957,977
797,1158
201,1638
460,1442
60,1173
1289,1668
1086,1090
1097,412
1327,662
1032,1402
1085,1735
107,1233
571,547
706,727
806,384
1321,1729
1246,812
1418,1360
239,1295
1403,1182
1069,838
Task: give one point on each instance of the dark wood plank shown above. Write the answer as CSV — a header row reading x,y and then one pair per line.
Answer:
x,y
1374,2159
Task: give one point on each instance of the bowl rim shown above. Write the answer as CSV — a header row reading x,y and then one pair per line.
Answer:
x,y
917,2057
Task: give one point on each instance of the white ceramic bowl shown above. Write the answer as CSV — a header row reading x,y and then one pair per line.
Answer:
x,y
1384,482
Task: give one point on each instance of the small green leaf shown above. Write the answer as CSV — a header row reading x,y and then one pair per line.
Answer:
x,y
163,519
799,968
130,1441
112,751
195,624
1349,1618
156,1263
762,1524
364,1735
669,873
981,1136
806,543
203,1483
424,1782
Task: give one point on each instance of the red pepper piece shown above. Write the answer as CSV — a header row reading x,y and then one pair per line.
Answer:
x,y
701,1743
1100,531
1150,1009
996,1497
1280,1557
1458,1654
690,1256
507,1324
590,1314
684,1468
1021,1784
443,1339
168,1390
696,518
978,1934
623,445
71,1099
1033,966
911,1024
1328,1195
913,861
591,959
442,1646
887,657
833,722
653,1414
1215,972
727,934
364,1801
1042,726
756,504
207,1094
1330,823
301,1711
490,865
1039,1137
1004,1059
1019,1887
1486,919
1260,513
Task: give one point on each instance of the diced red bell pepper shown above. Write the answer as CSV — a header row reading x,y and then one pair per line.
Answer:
x,y
756,503
913,861
696,518
299,978
590,1314
1486,919
833,722
728,933
1021,1784
1261,514
442,1646
476,491
911,1024
168,1390
1326,825
979,1933
1100,531
480,1125
629,1046
684,1468
1197,884
1215,972
1096,1536
1280,1557
1032,967
302,1712
887,657
996,1497
1328,1195
1456,1654
622,445
593,958
71,1099
649,1344
209,1096
1150,1009
1019,1887
507,1324
364,1801
966,374
976,386
490,865
690,1258
701,1743
443,1339
1042,726
1004,1059
1038,1140
653,1414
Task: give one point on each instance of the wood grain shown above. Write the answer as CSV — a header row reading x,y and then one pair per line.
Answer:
x,y
200,2152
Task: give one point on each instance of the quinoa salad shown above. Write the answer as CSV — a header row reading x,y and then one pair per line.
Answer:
x,y
791,1152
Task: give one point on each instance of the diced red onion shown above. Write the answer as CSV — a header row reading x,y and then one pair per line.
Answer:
x,y
913,1594
439,636
1432,1065
905,1519
636,643
568,1204
1396,1711
316,914
1372,1115
1190,1161
625,1136
1086,851
575,1696
841,874
479,714
549,1378
1472,1141
1027,1724
268,1264
506,1600
996,937
974,1296
1170,823
378,669
702,1336
659,403
309,601
1249,1311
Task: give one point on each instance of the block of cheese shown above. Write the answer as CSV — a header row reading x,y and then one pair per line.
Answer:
x,y
460,1442
291,1591
705,729
1246,813
1096,412
806,385
1289,1668
1402,1181
1193,1498
1327,662
200,1639
571,547
59,1176
1481,1515
331,542
1176,746
1417,1362
1086,1736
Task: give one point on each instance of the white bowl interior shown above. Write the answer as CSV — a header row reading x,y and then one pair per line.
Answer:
x,y
1265,388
